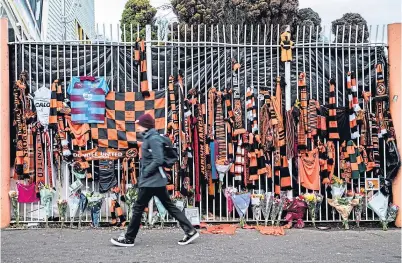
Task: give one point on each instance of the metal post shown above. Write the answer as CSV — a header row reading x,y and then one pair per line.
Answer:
x,y
148,39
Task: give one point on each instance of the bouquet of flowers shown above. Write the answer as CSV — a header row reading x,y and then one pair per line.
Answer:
x,y
73,204
46,198
129,198
338,187
62,207
379,204
241,202
256,205
282,201
275,209
267,203
295,211
311,201
82,206
228,194
391,215
94,203
344,206
179,201
14,204
319,199
161,215
359,207
222,166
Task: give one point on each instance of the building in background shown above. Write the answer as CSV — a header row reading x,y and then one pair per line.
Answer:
x,y
49,20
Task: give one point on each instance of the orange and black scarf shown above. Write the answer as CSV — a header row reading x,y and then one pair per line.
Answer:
x,y
303,120
353,104
140,59
333,133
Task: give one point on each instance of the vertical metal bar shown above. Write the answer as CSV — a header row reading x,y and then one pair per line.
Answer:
x,y
324,84
132,59
258,92
50,133
265,82
206,111
231,76
271,79
118,89
225,108
330,76
212,77
369,83
309,65
297,69
30,91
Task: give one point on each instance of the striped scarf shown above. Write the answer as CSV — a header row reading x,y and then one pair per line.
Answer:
x,y
266,129
322,123
239,161
333,133
312,119
220,127
202,141
40,162
353,164
381,96
352,97
365,138
140,59
303,120
56,103
290,134
251,110
262,170
252,156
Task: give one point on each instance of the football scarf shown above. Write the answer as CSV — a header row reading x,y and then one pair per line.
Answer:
x,y
122,110
220,128
290,134
312,119
40,162
266,128
333,133
238,115
381,96
140,59
302,127
79,132
49,160
353,104
251,110
29,159
56,103
211,113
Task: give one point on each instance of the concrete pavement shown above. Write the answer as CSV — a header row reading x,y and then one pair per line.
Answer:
x,y
306,245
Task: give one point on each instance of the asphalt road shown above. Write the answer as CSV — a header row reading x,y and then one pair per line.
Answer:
x,y
307,245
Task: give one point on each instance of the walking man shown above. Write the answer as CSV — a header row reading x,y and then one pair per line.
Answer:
x,y
152,182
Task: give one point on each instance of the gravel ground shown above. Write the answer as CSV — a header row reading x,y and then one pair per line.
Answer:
x,y
307,245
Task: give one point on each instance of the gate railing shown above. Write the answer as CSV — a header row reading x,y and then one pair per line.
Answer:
x,y
203,55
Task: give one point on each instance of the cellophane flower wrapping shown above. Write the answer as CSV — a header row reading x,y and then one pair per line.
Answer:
x,y
392,212
73,204
311,201
241,203
319,199
228,194
46,198
296,209
275,209
256,205
267,203
338,187
62,207
379,204
130,197
161,209
358,208
14,205
95,201
282,201
344,206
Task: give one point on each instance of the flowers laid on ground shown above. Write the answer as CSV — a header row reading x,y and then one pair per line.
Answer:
x,y
344,206
267,203
62,207
160,215
338,187
275,209
222,166
14,204
95,201
296,209
359,207
46,198
241,202
386,212
311,201
129,198
391,215
256,206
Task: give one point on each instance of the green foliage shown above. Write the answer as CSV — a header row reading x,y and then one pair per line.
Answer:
x,y
136,12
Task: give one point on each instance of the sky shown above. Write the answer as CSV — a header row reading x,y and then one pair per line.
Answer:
x,y
374,11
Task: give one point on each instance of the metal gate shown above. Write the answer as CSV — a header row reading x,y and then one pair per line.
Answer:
x,y
203,55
